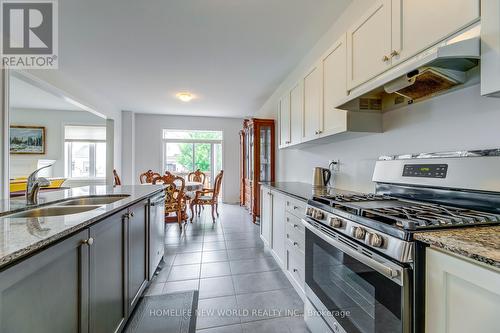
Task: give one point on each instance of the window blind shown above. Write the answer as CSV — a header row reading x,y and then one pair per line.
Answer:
x,y
84,133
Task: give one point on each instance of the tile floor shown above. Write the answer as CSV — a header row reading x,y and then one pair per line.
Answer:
x,y
241,287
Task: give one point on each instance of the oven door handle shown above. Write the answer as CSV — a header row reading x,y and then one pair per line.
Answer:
x,y
395,274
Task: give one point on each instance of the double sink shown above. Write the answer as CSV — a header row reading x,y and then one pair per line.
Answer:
x,y
70,206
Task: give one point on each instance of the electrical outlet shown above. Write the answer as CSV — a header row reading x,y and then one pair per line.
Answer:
x,y
334,165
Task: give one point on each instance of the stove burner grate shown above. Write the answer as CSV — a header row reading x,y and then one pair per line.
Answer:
x,y
422,216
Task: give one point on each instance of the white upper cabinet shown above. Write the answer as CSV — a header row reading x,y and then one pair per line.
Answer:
x,y
395,30
334,88
296,112
490,48
417,25
369,45
312,103
284,120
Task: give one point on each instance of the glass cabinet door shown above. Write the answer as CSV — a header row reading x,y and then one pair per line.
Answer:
x,y
265,153
250,154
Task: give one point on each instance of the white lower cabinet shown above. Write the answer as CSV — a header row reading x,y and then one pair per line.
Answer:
x,y
282,232
266,215
461,296
278,226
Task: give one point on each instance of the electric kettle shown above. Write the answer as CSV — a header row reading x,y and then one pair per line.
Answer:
x,y
321,176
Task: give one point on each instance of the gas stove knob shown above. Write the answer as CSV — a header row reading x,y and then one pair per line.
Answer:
x,y
335,222
319,215
376,240
358,232
309,211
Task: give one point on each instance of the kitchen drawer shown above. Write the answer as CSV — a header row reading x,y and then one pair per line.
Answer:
x,y
295,240
295,267
296,207
295,222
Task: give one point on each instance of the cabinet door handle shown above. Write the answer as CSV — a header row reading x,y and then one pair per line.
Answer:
x,y
295,270
295,244
89,241
295,226
385,58
128,215
394,53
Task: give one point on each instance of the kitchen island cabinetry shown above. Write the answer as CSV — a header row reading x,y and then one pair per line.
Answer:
x,y
108,272
137,265
48,292
461,295
89,281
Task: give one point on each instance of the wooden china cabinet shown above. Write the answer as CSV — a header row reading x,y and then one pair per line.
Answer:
x,y
257,158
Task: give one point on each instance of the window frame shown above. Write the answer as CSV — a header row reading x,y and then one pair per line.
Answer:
x,y
67,143
212,142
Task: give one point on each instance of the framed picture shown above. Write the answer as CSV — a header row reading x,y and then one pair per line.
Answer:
x,y
27,140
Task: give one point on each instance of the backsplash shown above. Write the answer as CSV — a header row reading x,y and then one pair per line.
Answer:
x,y
434,125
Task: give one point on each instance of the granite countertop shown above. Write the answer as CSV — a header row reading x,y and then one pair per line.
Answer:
x,y
478,243
303,191
20,237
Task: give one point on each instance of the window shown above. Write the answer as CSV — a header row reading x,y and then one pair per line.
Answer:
x,y
185,151
85,151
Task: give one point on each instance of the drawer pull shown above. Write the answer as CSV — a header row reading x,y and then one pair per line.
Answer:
x,y
89,241
295,270
288,219
295,244
295,226
295,207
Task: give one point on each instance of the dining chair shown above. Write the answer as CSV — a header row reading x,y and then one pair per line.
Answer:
x,y
175,201
116,178
208,197
197,176
147,177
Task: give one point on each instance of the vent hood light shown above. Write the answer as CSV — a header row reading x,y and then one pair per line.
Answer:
x,y
446,66
185,96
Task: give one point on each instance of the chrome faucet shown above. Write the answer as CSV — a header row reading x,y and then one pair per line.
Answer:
x,y
34,184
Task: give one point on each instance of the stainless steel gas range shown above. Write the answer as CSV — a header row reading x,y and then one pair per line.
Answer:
x,y
361,272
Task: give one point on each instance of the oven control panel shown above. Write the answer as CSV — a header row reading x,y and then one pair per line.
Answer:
x,y
425,170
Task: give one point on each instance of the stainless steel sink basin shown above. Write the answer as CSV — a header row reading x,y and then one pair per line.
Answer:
x,y
97,200
54,211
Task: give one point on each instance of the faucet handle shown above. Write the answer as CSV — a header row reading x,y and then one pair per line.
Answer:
x,y
43,182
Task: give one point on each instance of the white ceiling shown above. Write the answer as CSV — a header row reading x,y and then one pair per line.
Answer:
x,y
232,54
24,95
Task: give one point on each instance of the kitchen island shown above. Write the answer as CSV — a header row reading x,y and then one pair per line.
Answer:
x,y
79,261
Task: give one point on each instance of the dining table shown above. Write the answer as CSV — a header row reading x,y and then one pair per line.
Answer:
x,y
189,186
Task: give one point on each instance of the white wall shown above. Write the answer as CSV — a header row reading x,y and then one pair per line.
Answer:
x,y
54,122
128,147
88,97
148,145
456,121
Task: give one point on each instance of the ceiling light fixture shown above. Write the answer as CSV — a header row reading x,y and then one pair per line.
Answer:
x,y
185,96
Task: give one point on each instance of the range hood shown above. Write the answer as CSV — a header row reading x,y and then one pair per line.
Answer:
x,y
452,64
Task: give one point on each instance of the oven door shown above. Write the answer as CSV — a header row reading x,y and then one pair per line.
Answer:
x,y
354,289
